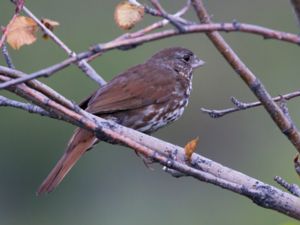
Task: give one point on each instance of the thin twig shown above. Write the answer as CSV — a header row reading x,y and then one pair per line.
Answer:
x,y
25,106
38,86
82,64
292,188
228,27
284,124
161,23
200,168
147,29
244,106
175,21
7,57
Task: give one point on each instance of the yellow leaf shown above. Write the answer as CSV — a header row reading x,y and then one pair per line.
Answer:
x,y
21,32
50,24
190,148
128,14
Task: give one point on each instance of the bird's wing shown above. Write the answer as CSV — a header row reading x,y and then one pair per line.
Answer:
x,y
139,86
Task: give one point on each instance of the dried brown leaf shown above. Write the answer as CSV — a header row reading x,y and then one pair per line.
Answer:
x,y
297,164
22,31
50,24
128,14
190,148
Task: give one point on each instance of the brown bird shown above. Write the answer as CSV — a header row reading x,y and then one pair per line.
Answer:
x,y
146,97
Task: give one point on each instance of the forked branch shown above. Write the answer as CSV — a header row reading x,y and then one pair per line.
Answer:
x,y
47,102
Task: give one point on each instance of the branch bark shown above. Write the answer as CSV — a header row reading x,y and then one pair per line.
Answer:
x,y
127,41
49,103
82,64
286,126
215,113
169,155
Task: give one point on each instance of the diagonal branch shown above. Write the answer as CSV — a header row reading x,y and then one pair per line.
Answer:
x,y
82,64
169,155
136,40
175,21
292,188
161,23
7,57
284,124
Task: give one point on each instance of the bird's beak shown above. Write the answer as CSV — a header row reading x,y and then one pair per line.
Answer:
x,y
197,63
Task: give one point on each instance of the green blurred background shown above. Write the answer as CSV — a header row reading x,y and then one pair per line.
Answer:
x,y
110,185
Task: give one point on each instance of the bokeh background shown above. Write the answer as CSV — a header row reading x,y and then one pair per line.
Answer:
x,y
110,185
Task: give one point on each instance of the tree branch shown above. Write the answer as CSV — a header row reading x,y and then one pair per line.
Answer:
x,y
50,103
284,124
292,188
7,57
169,155
25,106
82,64
124,41
239,106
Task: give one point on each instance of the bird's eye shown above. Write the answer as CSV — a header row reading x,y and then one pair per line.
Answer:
x,y
186,58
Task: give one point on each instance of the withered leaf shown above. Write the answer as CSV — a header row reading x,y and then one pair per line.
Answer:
x,y
50,24
22,31
190,148
128,14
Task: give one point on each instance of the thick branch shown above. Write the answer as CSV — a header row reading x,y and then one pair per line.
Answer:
x,y
169,155
38,86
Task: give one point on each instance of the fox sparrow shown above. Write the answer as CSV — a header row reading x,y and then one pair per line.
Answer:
x,y
146,97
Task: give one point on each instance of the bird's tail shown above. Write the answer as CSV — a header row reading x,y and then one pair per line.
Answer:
x,y
80,142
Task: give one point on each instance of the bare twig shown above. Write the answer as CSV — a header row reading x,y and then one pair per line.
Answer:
x,y
25,106
7,57
166,154
278,35
175,21
292,188
147,29
284,124
82,64
161,23
243,105
38,86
